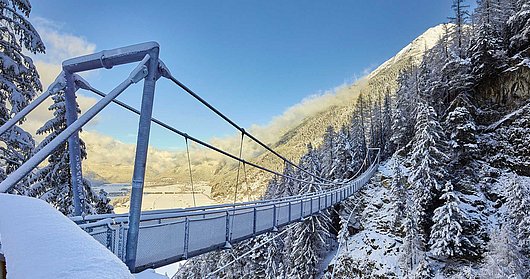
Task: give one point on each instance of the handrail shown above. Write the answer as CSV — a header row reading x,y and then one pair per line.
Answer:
x,y
202,209
254,219
222,208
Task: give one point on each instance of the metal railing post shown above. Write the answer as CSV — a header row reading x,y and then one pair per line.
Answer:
x,y
301,209
74,151
254,221
289,211
274,220
228,233
186,237
144,128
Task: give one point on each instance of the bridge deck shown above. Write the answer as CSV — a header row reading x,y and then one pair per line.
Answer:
x,y
167,236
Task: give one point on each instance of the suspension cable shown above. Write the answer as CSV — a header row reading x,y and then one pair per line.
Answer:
x,y
191,175
202,143
246,181
237,184
239,166
233,124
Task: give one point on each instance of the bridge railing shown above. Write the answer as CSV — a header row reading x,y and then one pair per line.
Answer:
x,y
171,235
178,212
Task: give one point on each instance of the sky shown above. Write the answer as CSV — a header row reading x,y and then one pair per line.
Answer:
x,y
250,59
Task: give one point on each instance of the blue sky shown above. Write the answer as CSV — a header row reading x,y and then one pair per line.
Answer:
x,y
250,59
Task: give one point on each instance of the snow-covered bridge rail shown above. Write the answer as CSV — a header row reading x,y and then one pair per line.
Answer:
x,y
155,238
167,236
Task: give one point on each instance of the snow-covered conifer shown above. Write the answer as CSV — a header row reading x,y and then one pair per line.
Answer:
x,y
459,20
428,160
52,182
19,80
518,204
398,197
413,247
448,238
503,259
463,139
403,119
519,29
423,271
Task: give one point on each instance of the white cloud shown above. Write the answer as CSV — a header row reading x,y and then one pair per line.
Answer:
x,y
59,47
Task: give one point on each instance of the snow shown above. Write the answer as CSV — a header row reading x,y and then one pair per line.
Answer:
x,y
170,269
149,274
416,49
40,242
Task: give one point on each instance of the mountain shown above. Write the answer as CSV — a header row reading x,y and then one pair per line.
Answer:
x,y
450,198
288,134
336,110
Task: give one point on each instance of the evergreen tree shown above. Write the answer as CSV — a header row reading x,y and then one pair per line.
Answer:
x,y
52,182
327,155
503,259
398,197
460,18
413,248
403,119
345,154
463,140
19,81
423,271
356,143
286,186
448,238
518,204
428,160
387,147
486,51
308,238
519,30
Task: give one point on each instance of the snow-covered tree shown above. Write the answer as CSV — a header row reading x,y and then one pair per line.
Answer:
x,y
518,204
487,55
398,197
413,242
308,243
343,156
403,115
308,239
519,29
448,238
429,161
327,155
459,20
423,271
19,81
503,259
463,139
286,186
52,182
387,148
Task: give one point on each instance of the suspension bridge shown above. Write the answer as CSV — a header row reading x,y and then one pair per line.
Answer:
x,y
156,238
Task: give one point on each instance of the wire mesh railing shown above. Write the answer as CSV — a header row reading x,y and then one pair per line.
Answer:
x,y
166,237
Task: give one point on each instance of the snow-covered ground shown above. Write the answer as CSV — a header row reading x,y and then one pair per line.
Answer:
x,y
374,250
40,242
170,196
